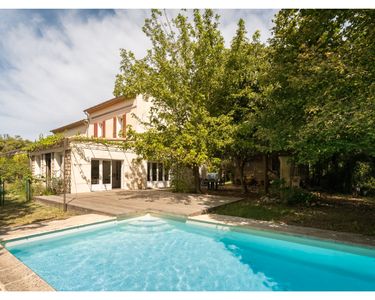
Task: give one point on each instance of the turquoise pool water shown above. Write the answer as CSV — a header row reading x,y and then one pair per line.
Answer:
x,y
154,254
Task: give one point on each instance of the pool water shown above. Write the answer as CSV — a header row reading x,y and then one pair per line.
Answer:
x,y
155,254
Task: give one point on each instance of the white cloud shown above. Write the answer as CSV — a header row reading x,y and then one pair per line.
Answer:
x,y
56,71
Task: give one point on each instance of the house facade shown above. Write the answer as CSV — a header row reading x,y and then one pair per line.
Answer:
x,y
89,165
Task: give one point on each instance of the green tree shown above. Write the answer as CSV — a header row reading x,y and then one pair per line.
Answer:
x,y
14,164
181,75
9,143
243,92
323,72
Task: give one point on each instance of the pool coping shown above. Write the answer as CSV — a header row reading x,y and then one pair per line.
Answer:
x,y
244,224
28,280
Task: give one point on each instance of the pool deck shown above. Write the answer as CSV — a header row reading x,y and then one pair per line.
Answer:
x,y
15,276
122,202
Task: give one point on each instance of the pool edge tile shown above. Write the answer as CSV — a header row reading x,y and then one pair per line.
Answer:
x,y
16,276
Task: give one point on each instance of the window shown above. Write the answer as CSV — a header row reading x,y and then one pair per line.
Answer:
x,y
106,172
156,172
160,173
100,129
148,171
119,127
95,172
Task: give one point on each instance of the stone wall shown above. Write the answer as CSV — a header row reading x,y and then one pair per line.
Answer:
x,y
68,170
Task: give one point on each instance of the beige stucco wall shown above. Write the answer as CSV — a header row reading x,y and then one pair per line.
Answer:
x,y
133,173
137,106
253,169
79,130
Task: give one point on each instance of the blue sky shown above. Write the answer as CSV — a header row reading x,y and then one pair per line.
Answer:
x,y
56,63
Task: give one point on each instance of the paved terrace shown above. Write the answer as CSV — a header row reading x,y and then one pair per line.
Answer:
x,y
122,202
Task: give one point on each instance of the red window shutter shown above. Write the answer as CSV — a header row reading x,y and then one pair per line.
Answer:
x,y
103,127
95,129
114,127
124,125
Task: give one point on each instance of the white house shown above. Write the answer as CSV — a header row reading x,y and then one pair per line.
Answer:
x,y
92,166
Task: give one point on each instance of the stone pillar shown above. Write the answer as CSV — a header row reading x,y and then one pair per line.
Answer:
x,y
285,169
68,168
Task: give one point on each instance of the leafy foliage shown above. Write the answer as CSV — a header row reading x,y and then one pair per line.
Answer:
x,y
9,143
46,142
181,75
14,164
243,92
364,178
323,71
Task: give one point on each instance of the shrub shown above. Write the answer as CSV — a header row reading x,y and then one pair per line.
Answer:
x,y
182,180
56,186
364,178
291,195
295,196
276,187
38,188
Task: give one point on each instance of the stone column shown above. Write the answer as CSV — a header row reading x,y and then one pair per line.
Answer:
x,y
285,169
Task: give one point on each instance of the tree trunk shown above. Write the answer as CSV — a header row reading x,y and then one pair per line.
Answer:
x,y
334,173
197,181
349,165
241,165
265,170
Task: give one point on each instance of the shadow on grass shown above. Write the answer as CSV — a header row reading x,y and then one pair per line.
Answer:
x,y
14,209
28,215
354,218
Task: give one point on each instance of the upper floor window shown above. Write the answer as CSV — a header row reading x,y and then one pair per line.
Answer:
x,y
120,126
99,129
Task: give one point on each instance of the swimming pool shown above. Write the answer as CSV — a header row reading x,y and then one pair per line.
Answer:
x,y
157,254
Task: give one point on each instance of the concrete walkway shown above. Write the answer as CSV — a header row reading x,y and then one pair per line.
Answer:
x,y
122,202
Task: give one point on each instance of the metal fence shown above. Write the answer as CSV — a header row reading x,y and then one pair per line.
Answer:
x,y
27,190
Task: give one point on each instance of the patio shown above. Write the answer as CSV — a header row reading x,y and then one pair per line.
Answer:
x,y
123,202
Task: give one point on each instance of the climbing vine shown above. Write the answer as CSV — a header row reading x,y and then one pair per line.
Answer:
x,y
45,142
57,140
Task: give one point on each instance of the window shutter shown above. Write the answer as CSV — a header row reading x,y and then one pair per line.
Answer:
x,y
95,129
103,129
124,125
114,127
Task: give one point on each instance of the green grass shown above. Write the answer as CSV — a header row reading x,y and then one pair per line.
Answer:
x,y
355,217
18,212
253,210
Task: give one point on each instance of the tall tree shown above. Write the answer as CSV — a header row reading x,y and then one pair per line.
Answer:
x,y
180,75
243,92
323,69
13,165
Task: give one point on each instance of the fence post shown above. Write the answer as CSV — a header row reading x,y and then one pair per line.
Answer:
x,y
65,207
2,191
28,189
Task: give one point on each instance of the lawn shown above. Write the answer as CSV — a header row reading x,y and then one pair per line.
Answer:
x,y
346,216
18,212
